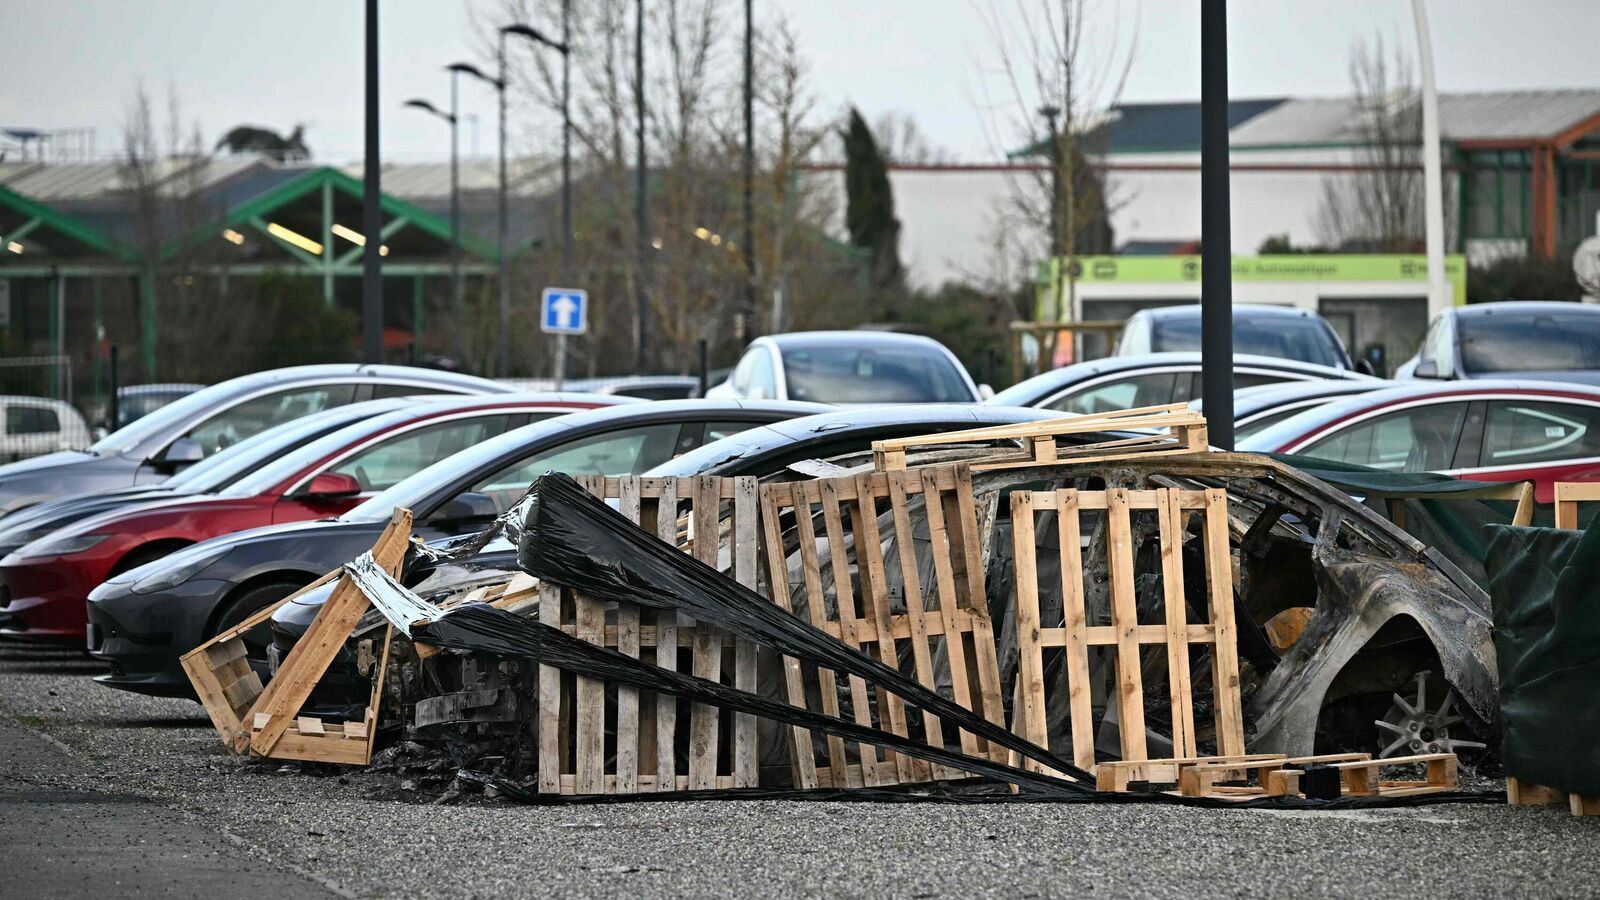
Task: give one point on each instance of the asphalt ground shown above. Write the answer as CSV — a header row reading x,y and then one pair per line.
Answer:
x,y
105,794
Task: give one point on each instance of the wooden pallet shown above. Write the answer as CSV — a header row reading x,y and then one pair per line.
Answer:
x,y
574,752
1525,793
266,721
1176,427
1125,635
945,618
1568,495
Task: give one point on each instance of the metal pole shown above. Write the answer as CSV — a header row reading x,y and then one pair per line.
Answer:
x,y
1432,167
641,301
561,361
705,366
566,161
371,215
1216,274
748,240
115,386
503,333
455,218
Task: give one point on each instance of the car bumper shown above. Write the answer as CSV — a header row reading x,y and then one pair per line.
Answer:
x,y
43,602
141,636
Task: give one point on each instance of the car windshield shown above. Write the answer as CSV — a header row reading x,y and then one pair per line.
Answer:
x,y
1523,342
845,374
132,407
221,469
165,419
1284,337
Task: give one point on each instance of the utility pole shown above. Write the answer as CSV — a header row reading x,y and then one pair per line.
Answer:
x,y
567,273
1432,168
748,241
455,218
371,214
641,299
1216,248
503,333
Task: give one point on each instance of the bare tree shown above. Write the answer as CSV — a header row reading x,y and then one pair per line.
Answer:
x,y
1380,208
903,141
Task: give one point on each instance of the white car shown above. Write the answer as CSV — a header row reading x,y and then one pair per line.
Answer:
x,y
34,426
848,367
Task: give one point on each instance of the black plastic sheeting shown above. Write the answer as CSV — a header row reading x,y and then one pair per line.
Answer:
x,y
574,540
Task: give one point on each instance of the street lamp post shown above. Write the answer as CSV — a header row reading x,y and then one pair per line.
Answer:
x,y
564,47
502,341
455,211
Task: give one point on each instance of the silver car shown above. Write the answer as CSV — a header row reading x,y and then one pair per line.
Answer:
x,y
185,432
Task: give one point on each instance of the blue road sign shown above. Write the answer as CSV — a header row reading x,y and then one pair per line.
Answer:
x,y
564,311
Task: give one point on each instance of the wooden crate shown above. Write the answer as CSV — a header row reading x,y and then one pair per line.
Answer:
x,y
1526,793
1125,636
575,755
266,721
945,618
1175,428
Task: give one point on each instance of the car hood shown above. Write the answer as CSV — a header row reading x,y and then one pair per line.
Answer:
x,y
227,543
36,521
47,461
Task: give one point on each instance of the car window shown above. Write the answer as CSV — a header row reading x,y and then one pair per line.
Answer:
x,y
1522,433
1255,426
252,416
741,373
763,381
846,374
1523,342
627,452
716,431
1148,389
1285,337
384,391
387,462
1243,380
31,420
1420,439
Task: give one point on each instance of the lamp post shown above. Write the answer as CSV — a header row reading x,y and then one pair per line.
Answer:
x,y
1216,246
455,212
371,208
1051,113
502,338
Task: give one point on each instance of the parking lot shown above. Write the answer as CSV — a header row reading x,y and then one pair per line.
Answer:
x,y
110,792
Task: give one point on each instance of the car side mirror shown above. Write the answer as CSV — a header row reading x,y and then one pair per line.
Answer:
x,y
331,486
468,507
1365,367
1425,368
181,452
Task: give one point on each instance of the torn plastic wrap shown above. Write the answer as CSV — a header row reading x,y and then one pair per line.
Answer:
x,y
577,541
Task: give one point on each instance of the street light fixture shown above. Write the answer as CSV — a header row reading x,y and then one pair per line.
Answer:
x,y
564,47
455,211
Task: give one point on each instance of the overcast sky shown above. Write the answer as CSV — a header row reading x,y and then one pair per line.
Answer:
x,y
71,63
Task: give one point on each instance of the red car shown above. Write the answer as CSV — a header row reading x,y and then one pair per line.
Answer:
x,y
1481,430
48,581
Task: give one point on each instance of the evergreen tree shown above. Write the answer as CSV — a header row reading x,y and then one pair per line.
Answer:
x,y
869,213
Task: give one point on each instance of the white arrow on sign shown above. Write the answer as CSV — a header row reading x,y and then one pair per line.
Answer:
x,y
566,310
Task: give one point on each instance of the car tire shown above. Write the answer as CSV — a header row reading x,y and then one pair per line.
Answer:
x,y
245,605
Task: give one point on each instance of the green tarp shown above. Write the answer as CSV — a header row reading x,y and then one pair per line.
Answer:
x,y
1545,587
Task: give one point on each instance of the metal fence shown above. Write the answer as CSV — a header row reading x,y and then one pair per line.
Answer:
x,y
37,414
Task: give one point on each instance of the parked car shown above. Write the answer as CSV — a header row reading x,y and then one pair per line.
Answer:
x,y
1124,382
142,619
1283,332
34,426
865,367
46,581
1480,430
1517,339
184,432
644,387
135,401
1258,408
212,474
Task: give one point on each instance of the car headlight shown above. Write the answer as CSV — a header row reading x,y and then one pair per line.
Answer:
x,y
62,546
165,577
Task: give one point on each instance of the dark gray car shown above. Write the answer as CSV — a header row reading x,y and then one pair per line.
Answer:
x,y
184,432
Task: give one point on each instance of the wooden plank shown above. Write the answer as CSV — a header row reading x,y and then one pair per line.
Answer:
x,y
773,498
242,691
745,550
309,659
817,613
666,526
905,540
1523,793
627,780
875,594
1225,650
1179,691
1125,618
707,660
950,612
549,699
1030,697
589,719
965,545
1074,628
845,604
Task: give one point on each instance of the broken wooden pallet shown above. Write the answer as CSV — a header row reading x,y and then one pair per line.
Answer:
x,y
1176,429
842,584
266,721
1525,793
1123,634
651,731
1568,495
